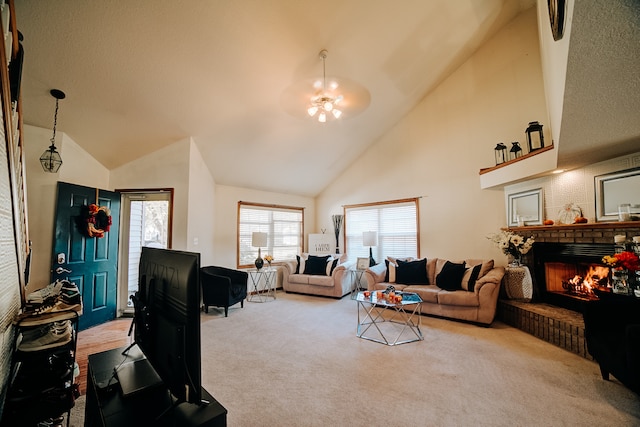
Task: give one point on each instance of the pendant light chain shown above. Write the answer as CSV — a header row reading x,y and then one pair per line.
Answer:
x,y
55,122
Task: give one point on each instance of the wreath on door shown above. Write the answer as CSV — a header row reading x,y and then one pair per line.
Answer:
x,y
94,220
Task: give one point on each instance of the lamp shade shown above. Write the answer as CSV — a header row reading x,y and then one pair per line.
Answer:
x,y
258,239
369,238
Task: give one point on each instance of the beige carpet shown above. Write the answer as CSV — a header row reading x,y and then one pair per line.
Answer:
x,y
297,362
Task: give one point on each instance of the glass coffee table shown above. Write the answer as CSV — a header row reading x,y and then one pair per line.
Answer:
x,y
390,323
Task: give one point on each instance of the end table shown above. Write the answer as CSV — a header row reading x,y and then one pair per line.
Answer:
x,y
356,278
264,284
518,283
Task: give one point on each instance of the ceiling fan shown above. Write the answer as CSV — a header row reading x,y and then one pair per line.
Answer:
x,y
325,98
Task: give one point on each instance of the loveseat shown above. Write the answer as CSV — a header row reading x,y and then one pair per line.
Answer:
x,y
465,290
318,275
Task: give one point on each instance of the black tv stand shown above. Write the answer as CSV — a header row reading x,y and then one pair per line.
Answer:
x,y
105,405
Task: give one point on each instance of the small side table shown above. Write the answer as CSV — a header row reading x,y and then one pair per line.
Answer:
x,y
518,283
264,284
356,278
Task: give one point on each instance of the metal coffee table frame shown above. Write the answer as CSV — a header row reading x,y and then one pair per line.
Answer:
x,y
371,313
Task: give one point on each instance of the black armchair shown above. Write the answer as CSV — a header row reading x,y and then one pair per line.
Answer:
x,y
222,287
612,332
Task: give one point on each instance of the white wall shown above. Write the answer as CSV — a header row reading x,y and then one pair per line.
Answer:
x,y
554,55
226,214
437,150
164,168
78,167
201,207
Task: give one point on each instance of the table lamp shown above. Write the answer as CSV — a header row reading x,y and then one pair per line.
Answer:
x,y
258,240
370,238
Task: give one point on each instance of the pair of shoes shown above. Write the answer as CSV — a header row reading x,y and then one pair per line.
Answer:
x,y
68,299
51,290
57,334
52,422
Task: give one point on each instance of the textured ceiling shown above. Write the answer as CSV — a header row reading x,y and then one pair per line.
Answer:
x,y
601,109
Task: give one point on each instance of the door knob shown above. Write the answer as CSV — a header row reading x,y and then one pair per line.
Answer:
x,y
61,270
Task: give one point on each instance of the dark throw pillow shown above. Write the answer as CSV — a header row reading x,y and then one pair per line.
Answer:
x,y
412,272
450,277
316,265
332,265
470,277
300,263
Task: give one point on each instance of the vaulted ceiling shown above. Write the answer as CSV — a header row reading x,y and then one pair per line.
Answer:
x,y
234,76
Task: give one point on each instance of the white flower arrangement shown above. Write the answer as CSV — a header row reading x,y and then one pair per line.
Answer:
x,y
511,243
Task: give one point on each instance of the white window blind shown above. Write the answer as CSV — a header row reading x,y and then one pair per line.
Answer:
x,y
396,223
283,225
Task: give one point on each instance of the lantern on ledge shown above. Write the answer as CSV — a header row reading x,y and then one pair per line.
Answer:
x,y
516,151
535,138
501,153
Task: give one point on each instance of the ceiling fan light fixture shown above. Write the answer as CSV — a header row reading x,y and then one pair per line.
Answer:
x,y
322,100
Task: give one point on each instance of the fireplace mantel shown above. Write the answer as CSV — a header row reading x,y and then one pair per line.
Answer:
x,y
594,225
596,232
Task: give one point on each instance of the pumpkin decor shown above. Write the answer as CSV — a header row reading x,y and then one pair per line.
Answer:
x,y
548,222
94,220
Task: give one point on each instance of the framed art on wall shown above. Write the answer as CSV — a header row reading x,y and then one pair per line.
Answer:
x,y
615,189
525,208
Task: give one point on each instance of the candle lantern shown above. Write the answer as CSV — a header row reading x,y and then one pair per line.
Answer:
x,y
535,138
516,151
501,153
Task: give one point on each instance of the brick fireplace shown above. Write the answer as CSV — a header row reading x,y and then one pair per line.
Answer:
x,y
561,251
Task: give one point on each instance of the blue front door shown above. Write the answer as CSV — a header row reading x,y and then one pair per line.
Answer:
x,y
89,262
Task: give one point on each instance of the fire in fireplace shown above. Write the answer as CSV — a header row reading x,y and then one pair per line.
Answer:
x,y
575,279
596,277
566,274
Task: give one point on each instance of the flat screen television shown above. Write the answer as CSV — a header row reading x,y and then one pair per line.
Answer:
x,y
168,328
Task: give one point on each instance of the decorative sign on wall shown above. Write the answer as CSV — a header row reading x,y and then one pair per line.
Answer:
x,y
321,244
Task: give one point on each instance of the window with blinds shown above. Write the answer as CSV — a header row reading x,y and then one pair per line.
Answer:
x,y
284,226
396,224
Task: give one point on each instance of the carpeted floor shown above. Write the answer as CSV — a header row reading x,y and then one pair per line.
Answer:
x,y
297,362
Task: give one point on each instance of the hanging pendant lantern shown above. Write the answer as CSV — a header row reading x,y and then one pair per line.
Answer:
x,y
50,159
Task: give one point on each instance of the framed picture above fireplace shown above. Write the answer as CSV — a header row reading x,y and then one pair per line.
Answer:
x,y
525,208
615,189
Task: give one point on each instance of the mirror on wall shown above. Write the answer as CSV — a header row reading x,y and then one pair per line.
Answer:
x,y
616,189
525,208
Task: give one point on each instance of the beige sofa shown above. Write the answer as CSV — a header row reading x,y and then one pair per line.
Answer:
x,y
335,284
477,305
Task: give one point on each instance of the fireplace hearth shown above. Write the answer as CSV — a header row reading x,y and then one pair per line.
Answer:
x,y
547,317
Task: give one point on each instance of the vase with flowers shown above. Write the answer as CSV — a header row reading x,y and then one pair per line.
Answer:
x,y
620,265
512,245
268,259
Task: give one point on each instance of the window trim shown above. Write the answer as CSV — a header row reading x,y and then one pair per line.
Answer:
x,y
415,200
267,206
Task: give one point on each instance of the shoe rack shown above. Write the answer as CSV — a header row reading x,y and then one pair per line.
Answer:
x,y
42,383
